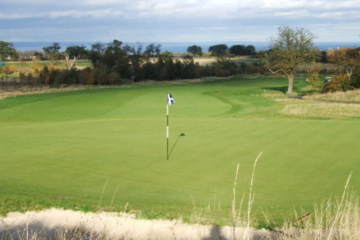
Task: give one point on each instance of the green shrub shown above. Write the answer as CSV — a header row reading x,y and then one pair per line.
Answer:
x,y
355,78
113,78
87,77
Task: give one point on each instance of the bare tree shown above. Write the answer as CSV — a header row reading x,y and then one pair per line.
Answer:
x,y
70,63
290,50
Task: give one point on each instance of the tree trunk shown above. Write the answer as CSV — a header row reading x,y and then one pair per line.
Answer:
x,y
70,64
291,79
349,72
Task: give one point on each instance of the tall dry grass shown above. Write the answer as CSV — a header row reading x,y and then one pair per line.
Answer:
x,y
239,217
333,220
348,96
321,109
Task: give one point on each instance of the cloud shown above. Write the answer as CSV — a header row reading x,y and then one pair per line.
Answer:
x,y
90,13
180,8
178,19
65,14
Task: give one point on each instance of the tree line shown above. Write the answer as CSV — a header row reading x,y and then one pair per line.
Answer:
x,y
118,63
53,51
221,50
291,53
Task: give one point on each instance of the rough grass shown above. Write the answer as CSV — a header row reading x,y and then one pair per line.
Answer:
x,y
348,96
333,220
6,93
329,105
325,110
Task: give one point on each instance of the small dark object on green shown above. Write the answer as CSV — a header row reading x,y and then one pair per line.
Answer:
x,y
182,134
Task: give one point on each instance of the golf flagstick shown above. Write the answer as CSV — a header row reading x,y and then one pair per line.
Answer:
x,y
170,101
167,131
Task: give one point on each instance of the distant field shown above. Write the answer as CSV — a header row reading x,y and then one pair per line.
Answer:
x,y
61,63
105,149
209,60
86,63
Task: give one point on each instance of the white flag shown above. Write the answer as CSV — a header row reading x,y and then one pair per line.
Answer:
x,y
171,99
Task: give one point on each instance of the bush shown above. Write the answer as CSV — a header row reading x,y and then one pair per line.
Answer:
x,y
338,82
100,74
355,78
113,78
9,69
224,67
314,78
87,77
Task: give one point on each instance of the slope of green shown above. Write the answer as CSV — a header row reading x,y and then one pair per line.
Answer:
x,y
106,148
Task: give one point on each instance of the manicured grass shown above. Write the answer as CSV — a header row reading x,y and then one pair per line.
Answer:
x,y
106,148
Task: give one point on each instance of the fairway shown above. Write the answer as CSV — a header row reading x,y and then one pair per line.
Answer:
x,y
106,149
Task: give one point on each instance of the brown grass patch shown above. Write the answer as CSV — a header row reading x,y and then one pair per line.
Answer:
x,y
273,95
348,96
39,90
327,110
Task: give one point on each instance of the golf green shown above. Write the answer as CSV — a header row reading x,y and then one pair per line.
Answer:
x,y
106,148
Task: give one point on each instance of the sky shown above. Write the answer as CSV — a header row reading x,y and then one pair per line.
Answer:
x,y
176,20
